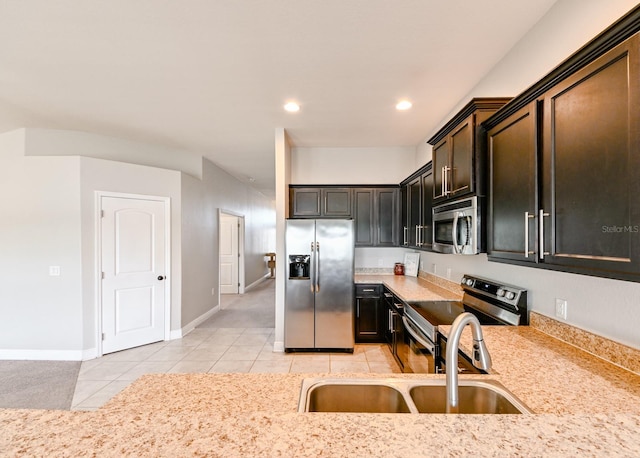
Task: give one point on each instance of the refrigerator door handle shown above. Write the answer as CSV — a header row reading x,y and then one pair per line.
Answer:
x,y
312,269
317,267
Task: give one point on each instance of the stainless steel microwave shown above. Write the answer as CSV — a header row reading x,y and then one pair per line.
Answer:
x,y
456,227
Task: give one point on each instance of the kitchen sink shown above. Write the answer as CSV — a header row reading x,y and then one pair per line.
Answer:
x,y
405,396
341,397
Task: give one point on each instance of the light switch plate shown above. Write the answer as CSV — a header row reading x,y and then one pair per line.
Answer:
x,y
54,271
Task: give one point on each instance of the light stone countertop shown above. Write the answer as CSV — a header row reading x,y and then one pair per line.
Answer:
x,y
584,406
410,288
253,415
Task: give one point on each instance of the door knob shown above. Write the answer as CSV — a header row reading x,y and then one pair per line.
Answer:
x,y
161,277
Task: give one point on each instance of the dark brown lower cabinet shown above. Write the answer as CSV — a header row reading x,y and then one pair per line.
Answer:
x,y
369,314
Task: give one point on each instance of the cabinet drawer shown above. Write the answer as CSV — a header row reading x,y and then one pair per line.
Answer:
x,y
367,290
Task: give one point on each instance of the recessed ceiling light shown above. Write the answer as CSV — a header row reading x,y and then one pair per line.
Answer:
x,y
403,105
292,107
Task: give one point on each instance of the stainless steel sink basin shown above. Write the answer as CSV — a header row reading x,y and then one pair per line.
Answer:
x,y
472,399
405,396
356,398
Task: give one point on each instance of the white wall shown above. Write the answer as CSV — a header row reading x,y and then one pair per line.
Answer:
x,y
39,227
352,165
52,142
113,176
201,200
48,207
283,179
382,257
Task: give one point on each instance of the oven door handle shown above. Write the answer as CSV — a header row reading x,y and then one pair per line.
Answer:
x,y
410,328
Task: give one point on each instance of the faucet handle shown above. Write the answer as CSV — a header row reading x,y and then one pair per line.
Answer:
x,y
481,356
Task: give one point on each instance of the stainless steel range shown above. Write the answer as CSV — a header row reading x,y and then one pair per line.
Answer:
x,y
493,303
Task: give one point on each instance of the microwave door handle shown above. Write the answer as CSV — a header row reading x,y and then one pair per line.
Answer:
x,y
454,235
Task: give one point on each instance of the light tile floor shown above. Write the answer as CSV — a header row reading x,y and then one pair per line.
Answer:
x,y
215,350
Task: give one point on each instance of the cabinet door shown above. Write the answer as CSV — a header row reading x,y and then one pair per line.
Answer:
x,y
363,211
440,168
460,175
404,215
426,238
512,187
336,202
415,214
305,202
386,217
591,163
369,322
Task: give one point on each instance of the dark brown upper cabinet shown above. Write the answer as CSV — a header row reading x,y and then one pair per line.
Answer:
x,y
564,161
376,213
512,192
459,151
416,209
319,202
374,209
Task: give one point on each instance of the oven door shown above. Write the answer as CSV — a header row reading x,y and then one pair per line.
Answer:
x,y
419,353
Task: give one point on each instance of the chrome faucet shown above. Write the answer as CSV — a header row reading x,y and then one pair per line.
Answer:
x,y
481,358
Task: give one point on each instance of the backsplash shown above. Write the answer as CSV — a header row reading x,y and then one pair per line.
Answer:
x,y
373,271
441,282
609,350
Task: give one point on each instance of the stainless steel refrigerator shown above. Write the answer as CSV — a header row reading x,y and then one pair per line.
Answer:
x,y
319,284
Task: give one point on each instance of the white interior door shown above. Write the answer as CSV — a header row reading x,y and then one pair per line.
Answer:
x,y
133,272
229,254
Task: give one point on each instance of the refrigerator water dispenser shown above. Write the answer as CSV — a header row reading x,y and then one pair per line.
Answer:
x,y
299,266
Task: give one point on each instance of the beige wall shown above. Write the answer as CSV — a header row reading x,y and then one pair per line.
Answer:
x,y
201,202
48,208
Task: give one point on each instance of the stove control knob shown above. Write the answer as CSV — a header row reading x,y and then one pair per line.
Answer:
x,y
500,292
469,282
510,295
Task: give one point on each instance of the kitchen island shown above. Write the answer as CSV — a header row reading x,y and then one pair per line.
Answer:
x,y
584,406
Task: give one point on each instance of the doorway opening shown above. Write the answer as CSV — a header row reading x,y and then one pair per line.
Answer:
x,y
231,252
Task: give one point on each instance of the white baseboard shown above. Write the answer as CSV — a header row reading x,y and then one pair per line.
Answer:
x,y
43,355
191,326
267,276
91,353
278,346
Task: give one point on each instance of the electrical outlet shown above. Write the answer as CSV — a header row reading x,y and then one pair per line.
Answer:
x,y
434,268
561,308
380,262
448,273
54,271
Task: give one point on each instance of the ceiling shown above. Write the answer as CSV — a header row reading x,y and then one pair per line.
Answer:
x,y
211,77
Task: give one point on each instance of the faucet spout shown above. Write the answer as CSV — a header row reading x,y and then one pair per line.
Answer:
x,y
481,358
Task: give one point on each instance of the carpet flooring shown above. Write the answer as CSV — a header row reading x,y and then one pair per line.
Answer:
x,y
38,384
